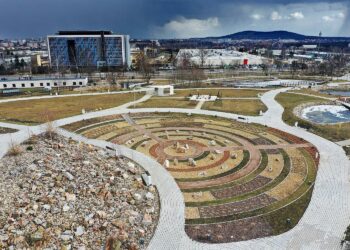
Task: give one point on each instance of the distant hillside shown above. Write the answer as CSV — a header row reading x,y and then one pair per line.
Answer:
x,y
274,35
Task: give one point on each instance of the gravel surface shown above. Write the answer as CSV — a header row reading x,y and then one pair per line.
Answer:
x,y
59,194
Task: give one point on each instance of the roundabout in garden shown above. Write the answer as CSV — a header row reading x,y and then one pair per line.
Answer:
x,y
239,181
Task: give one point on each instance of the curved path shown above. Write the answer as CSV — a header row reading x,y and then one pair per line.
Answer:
x,y
321,227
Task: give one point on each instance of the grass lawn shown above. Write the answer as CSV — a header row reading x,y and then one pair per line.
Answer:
x,y
337,132
38,111
243,107
224,92
312,92
166,103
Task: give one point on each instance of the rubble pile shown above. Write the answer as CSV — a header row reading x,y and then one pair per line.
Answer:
x,y
60,194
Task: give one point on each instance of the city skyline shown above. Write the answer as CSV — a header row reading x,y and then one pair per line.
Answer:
x,y
173,19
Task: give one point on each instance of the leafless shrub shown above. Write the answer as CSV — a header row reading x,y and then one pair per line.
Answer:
x,y
14,149
33,139
50,129
112,243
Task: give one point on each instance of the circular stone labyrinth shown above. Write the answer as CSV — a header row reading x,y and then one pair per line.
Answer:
x,y
239,181
180,149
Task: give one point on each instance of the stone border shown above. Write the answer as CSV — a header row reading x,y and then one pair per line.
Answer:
x,y
298,110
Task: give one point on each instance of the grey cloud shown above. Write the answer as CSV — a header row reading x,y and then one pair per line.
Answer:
x,y
28,18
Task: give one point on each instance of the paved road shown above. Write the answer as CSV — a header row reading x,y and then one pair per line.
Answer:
x,y
321,227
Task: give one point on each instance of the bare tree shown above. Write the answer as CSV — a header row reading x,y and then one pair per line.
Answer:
x,y
265,69
294,68
278,64
144,66
197,76
203,55
184,60
184,65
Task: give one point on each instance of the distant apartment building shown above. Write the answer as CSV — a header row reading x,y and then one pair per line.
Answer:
x,y
76,49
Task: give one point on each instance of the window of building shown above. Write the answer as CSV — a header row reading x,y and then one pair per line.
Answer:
x,y
74,83
5,85
23,85
80,83
48,84
64,83
14,85
55,83
32,85
41,84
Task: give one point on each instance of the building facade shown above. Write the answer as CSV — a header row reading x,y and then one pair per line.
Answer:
x,y
88,49
29,82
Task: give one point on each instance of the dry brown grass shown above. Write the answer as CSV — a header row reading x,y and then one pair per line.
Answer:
x,y
313,92
33,139
30,111
50,130
166,103
192,213
243,107
14,149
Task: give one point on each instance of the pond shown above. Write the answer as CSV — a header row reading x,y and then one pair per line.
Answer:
x,y
336,92
326,114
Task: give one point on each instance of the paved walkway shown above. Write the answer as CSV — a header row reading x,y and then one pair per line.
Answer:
x,y
321,227
344,143
130,104
12,125
199,105
141,129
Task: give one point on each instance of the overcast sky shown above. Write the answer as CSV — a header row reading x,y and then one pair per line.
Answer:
x,y
173,18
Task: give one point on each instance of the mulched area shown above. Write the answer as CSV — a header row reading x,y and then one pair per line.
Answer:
x,y
236,207
6,130
272,151
247,187
262,141
286,136
232,231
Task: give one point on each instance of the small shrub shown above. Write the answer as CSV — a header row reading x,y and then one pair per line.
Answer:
x,y
14,149
33,139
50,131
29,148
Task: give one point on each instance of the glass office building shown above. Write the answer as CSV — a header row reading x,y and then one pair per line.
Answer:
x,y
88,49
